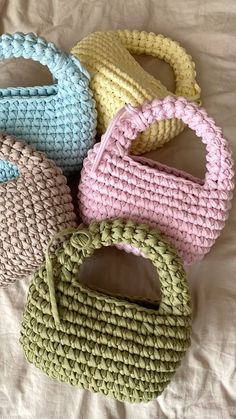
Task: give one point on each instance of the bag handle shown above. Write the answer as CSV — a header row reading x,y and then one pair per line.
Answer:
x,y
141,42
130,121
22,155
30,46
84,241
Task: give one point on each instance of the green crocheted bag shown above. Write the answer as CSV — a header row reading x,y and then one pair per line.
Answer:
x,y
100,342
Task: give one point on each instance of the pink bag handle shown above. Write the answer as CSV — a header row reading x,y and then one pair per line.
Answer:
x,y
130,121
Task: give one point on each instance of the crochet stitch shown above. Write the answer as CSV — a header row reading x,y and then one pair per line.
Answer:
x,y
33,207
191,212
117,78
108,344
59,119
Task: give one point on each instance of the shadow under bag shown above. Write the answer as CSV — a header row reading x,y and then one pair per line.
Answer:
x,y
58,119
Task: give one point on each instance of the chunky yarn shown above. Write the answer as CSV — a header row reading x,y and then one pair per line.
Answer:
x,y
117,78
33,207
59,119
124,349
191,212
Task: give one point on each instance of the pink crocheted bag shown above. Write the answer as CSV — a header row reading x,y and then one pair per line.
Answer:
x,y
191,212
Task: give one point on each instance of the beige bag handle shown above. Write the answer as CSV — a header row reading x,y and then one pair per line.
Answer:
x,y
22,155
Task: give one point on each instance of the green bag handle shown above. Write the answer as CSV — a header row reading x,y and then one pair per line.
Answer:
x,y
84,241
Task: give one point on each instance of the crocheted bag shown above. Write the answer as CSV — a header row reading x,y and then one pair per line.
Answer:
x,y
108,344
32,208
117,78
191,212
59,119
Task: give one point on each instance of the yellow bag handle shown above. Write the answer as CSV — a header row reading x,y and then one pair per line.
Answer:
x,y
141,42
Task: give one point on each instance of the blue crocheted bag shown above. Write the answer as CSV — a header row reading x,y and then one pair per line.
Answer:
x,y
59,119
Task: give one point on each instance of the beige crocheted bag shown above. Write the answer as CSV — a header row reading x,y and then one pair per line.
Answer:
x,y
33,207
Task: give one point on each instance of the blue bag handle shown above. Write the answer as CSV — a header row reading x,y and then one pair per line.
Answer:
x,y
30,46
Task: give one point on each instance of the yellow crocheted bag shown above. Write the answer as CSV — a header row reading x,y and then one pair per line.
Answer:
x,y
117,78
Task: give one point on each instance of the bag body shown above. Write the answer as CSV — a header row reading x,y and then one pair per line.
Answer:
x,y
100,342
191,212
117,78
33,207
58,119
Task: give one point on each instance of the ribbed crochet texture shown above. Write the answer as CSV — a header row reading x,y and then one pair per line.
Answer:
x,y
33,207
191,212
103,343
117,78
59,119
